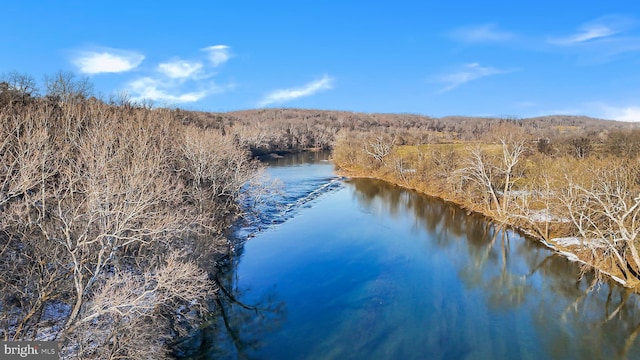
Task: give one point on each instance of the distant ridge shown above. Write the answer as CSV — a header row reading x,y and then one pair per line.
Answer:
x,y
574,124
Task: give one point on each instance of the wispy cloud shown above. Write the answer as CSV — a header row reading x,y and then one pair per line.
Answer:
x,y
180,80
147,88
284,95
467,73
599,41
481,34
180,69
598,29
586,33
218,54
106,60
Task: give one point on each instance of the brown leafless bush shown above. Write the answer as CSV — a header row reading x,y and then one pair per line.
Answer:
x,y
92,197
604,208
123,317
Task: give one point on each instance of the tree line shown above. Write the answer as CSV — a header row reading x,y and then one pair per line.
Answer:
x,y
265,131
576,193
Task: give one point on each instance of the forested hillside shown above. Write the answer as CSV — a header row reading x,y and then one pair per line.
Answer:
x,y
272,130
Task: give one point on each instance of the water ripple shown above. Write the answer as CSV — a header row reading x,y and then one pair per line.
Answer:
x,y
283,205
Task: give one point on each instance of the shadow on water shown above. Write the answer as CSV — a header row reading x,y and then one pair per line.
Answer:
x,y
300,158
233,330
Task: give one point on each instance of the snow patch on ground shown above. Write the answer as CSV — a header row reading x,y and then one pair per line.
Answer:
x,y
570,256
540,215
576,241
55,311
54,315
544,216
573,257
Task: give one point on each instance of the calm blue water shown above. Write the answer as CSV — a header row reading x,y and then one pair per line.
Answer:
x,y
360,269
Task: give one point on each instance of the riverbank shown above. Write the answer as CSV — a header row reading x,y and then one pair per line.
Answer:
x,y
573,253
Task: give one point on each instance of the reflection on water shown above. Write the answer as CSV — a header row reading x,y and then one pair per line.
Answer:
x,y
572,316
300,159
374,271
234,329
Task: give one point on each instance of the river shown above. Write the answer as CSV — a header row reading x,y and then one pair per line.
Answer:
x,y
361,269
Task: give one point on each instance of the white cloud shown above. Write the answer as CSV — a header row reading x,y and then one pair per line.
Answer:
x,y
148,88
598,29
284,95
218,54
586,33
181,81
468,73
180,69
628,114
599,41
482,33
107,61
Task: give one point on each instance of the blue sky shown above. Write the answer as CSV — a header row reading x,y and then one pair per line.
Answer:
x,y
437,58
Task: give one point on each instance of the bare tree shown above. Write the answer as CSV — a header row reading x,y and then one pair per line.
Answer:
x,y
605,212
66,87
379,147
18,87
581,147
538,208
217,167
116,195
480,171
512,150
495,175
123,317
27,154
